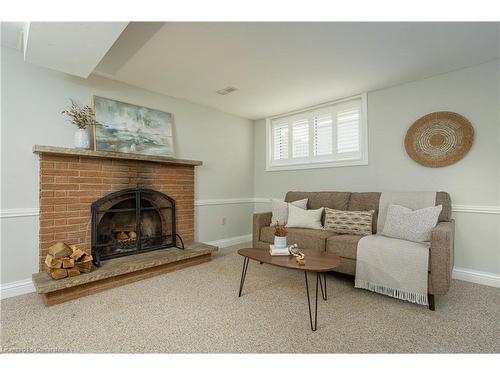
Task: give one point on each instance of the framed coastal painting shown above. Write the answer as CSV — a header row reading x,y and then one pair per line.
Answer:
x,y
124,127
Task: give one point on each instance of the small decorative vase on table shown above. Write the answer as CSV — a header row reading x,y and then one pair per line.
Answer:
x,y
84,119
280,236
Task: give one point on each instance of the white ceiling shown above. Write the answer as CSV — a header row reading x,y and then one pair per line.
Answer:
x,y
70,47
279,67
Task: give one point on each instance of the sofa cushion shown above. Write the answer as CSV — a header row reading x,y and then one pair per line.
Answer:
x,y
279,210
365,202
314,239
348,266
299,218
411,225
370,201
343,245
359,201
333,199
349,222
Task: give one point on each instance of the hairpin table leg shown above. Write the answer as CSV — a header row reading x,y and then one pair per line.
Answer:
x,y
322,284
243,274
314,325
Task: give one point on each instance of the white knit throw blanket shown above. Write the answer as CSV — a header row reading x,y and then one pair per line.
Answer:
x,y
394,267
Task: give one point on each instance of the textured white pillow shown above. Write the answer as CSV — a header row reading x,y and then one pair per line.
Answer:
x,y
299,218
411,225
280,210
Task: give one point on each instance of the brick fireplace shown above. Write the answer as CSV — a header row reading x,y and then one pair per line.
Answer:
x,y
71,180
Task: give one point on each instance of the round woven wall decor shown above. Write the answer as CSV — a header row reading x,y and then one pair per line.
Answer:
x,y
439,139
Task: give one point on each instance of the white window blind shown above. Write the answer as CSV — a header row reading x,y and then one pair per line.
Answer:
x,y
300,138
348,130
334,134
323,134
280,141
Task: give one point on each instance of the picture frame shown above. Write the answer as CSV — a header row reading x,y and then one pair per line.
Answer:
x,y
131,128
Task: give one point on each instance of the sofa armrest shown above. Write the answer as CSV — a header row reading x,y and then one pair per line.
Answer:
x,y
261,219
441,257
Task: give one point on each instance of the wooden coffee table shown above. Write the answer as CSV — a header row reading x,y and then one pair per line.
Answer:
x,y
319,262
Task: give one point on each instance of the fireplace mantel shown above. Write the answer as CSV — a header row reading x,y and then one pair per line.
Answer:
x,y
64,151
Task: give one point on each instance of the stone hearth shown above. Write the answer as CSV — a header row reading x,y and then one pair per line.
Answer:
x,y
120,271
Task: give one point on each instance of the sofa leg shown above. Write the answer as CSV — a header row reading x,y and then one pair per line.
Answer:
x,y
432,302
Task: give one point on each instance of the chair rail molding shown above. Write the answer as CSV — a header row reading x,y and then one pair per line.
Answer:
x,y
494,210
18,212
461,208
222,201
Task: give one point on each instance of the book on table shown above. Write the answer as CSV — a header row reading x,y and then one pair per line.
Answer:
x,y
278,251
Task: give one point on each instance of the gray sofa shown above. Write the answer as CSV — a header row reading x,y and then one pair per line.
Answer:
x,y
345,245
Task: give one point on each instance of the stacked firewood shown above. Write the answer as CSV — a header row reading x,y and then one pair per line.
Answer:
x,y
67,261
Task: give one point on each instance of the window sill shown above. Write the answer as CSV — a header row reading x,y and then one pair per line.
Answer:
x,y
326,164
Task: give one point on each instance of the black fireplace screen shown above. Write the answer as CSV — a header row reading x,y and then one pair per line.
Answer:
x,y
132,221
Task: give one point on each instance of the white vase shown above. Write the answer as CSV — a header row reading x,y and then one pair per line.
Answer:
x,y
82,139
280,241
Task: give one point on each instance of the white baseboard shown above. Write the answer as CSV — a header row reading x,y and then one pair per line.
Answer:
x,y
225,242
16,288
478,277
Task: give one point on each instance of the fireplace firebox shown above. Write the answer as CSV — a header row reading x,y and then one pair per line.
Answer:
x,y
132,221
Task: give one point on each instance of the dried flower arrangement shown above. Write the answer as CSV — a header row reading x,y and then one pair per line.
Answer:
x,y
280,231
82,117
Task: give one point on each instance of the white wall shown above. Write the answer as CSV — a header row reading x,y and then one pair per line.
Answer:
x,y
473,181
32,99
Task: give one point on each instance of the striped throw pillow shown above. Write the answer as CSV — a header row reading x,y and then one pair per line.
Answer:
x,y
349,222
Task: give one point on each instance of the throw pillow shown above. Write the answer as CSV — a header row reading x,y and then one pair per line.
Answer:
x,y
280,210
349,222
412,225
300,218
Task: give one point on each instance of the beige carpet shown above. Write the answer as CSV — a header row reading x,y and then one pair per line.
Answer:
x,y
197,310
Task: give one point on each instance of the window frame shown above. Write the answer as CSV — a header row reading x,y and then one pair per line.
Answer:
x,y
324,161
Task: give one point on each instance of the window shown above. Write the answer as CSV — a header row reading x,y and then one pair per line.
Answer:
x,y
333,134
